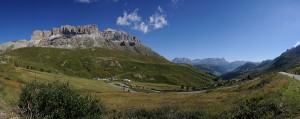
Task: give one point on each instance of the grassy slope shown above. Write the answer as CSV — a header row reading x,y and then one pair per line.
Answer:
x,y
276,88
106,63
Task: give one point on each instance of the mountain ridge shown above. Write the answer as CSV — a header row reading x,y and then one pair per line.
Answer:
x,y
87,36
288,61
217,66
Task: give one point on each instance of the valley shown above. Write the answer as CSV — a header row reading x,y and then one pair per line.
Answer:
x,y
81,72
216,66
212,102
128,79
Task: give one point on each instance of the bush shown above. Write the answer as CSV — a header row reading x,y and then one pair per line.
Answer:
x,y
57,100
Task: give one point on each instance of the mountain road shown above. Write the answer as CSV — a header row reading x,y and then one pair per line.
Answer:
x,y
291,75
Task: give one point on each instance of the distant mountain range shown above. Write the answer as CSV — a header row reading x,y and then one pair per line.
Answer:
x,y
239,70
217,66
288,61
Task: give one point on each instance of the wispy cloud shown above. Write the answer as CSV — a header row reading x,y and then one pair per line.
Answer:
x,y
129,18
297,44
174,2
85,1
156,21
141,27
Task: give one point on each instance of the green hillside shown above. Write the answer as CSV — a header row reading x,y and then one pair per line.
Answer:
x,y
107,63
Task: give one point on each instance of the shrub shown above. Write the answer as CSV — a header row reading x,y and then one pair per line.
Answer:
x,y
254,108
182,87
57,100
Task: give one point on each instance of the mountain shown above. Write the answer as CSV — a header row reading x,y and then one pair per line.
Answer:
x,y
288,61
253,70
215,69
217,66
233,65
82,51
182,60
212,61
87,36
241,70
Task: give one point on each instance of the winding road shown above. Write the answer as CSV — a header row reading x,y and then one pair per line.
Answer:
x,y
126,88
121,86
291,75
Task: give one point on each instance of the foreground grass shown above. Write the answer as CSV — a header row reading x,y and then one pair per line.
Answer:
x,y
278,89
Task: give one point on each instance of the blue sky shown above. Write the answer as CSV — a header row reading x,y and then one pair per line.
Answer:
x,y
252,30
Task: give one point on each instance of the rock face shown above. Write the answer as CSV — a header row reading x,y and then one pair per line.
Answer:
x,y
13,45
65,30
118,35
86,36
38,34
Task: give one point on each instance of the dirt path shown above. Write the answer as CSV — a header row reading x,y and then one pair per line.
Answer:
x,y
126,88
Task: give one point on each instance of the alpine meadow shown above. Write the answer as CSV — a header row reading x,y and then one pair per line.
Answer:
x,y
139,59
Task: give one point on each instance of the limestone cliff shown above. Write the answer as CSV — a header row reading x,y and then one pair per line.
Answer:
x,y
86,36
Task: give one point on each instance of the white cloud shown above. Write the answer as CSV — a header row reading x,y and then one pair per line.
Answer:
x,y
141,27
85,1
160,9
174,2
297,44
158,20
128,19
155,21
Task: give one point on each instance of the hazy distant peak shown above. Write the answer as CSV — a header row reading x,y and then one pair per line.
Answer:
x,y
181,60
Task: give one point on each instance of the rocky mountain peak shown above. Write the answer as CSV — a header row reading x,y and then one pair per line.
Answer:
x,y
119,35
87,29
38,34
182,60
65,30
87,36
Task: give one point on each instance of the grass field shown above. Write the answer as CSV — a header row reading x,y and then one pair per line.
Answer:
x,y
107,63
273,87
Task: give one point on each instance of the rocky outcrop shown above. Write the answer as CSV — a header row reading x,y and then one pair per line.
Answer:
x,y
118,35
38,34
75,30
13,45
70,31
65,30
86,36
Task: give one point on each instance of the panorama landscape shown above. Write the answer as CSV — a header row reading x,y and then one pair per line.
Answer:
x,y
150,59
